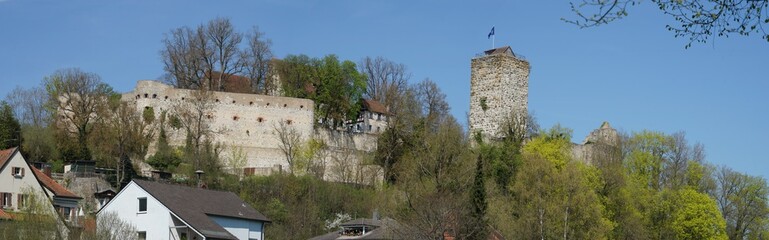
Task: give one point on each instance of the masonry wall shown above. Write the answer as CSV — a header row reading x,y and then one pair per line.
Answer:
x,y
248,122
501,82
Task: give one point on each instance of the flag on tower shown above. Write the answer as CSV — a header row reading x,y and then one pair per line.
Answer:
x,y
491,33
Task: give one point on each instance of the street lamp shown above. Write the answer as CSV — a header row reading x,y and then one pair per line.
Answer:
x,y
199,173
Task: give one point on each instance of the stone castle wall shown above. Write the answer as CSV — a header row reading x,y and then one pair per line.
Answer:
x,y
501,83
247,122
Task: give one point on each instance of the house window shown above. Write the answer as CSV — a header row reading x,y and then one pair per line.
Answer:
x,y
369,127
66,213
17,172
6,200
21,200
141,235
142,205
249,171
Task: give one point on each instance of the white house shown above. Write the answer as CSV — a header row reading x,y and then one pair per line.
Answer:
x,y
165,211
18,180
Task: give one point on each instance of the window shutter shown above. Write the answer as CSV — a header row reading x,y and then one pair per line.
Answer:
x,y
22,172
18,200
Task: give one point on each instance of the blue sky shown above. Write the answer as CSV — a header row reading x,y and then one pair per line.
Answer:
x,y
632,73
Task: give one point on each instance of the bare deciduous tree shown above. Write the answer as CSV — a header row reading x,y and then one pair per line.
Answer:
x,y
29,106
224,41
386,80
182,59
195,115
210,54
433,101
122,135
257,58
698,20
290,141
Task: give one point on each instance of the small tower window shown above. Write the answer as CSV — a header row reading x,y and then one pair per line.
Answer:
x,y
250,103
260,119
285,105
268,104
235,118
182,98
233,101
154,96
146,95
166,98
301,106
217,100
289,122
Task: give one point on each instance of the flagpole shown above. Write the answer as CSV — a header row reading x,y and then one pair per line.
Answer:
x,y
493,39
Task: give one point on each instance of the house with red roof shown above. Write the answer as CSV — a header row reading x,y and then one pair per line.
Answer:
x,y
18,180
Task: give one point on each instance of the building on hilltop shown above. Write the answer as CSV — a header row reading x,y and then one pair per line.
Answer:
x,y
499,89
601,140
249,123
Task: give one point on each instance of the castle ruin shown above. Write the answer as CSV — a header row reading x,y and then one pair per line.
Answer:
x,y
499,90
248,123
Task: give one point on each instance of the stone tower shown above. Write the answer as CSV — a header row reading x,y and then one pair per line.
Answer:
x,y
499,88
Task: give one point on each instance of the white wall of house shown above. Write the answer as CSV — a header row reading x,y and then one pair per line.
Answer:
x,y
241,228
156,221
16,185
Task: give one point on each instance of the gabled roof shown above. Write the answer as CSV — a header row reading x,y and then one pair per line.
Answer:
x,y
501,50
195,206
53,186
6,155
374,106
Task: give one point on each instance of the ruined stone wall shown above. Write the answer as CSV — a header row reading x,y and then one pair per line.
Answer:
x,y
598,144
248,122
501,83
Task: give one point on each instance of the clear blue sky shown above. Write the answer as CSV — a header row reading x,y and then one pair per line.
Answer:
x,y
632,73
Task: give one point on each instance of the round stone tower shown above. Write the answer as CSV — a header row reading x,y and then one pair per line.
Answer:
x,y
499,89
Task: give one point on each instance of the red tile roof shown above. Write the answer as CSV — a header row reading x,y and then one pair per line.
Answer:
x,y
50,184
4,215
6,155
374,106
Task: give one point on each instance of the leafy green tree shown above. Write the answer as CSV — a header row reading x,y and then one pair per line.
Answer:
x,y
165,157
78,99
553,144
297,76
10,129
552,202
696,216
742,199
339,91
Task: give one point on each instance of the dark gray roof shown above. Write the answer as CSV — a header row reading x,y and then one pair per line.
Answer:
x,y
386,230
195,205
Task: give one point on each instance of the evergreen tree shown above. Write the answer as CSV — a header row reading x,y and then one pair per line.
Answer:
x,y
10,128
478,201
